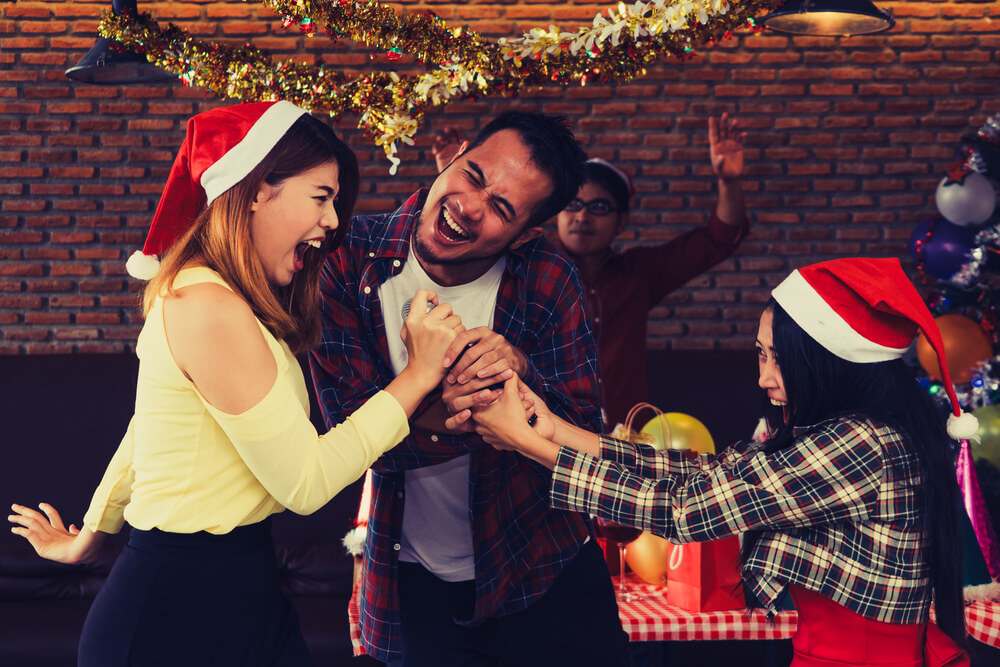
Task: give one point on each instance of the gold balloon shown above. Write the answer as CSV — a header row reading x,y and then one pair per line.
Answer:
x,y
988,448
647,557
965,346
681,432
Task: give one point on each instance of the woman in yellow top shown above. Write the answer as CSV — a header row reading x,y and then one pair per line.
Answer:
x,y
221,439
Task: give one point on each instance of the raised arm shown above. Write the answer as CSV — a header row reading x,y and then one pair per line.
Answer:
x,y
725,143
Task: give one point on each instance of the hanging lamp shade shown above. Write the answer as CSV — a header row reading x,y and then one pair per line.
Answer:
x,y
835,18
110,64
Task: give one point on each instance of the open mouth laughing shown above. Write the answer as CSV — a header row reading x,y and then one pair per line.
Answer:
x,y
449,229
302,248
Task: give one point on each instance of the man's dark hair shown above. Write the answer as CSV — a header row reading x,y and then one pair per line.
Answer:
x,y
604,176
554,150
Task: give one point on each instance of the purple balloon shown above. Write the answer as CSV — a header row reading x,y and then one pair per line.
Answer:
x,y
944,253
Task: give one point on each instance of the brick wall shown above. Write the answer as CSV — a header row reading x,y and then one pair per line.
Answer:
x,y
847,141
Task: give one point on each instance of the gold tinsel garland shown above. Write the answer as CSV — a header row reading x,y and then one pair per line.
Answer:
x,y
459,62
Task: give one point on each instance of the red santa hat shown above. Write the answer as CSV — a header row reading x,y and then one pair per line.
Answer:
x,y
221,147
866,310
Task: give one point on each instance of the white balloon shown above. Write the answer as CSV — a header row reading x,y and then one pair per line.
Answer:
x,y
968,203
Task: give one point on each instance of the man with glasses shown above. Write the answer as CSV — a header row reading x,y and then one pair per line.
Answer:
x,y
623,286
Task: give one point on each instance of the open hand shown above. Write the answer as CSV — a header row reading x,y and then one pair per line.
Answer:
x,y
725,147
50,537
448,143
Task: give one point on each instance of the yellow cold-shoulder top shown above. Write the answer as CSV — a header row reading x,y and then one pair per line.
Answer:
x,y
184,466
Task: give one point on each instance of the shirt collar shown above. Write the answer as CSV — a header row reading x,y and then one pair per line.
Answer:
x,y
402,222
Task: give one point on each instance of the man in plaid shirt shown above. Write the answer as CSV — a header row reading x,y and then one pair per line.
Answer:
x,y
464,562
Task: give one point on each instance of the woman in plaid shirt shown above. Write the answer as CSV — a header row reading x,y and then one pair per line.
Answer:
x,y
850,504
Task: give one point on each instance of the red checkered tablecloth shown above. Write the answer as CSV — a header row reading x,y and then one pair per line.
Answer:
x,y
982,620
653,620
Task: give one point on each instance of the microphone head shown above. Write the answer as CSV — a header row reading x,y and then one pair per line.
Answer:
x,y
405,310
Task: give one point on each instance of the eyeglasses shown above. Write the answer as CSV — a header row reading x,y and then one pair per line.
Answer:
x,y
594,206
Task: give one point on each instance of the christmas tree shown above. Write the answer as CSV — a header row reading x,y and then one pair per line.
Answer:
x,y
957,252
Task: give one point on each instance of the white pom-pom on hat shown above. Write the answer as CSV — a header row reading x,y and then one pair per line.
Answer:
x,y
141,266
964,426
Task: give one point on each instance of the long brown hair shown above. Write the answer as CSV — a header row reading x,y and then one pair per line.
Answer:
x,y
220,236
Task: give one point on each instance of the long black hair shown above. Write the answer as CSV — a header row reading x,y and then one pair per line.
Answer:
x,y
820,385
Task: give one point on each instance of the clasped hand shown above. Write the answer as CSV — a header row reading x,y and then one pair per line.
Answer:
x,y
429,333
480,359
506,422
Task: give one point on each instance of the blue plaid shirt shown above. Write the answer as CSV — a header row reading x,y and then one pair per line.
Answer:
x,y
520,543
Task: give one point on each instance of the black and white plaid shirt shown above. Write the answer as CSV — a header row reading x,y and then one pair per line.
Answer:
x,y
838,510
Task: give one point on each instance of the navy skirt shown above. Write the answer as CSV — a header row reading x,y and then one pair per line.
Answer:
x,y
199,599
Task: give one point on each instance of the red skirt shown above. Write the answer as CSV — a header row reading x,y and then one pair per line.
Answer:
x,y
831,635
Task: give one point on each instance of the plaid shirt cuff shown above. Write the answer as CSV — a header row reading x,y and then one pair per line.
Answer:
x,y
572,481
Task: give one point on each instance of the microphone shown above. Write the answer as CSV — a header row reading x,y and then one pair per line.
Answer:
x,y
405,311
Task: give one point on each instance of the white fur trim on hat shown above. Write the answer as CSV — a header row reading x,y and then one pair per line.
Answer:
x,y
142,267
240,160
811,312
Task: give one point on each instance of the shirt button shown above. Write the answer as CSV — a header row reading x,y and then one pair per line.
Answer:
x,y
434,438
399,494
371,254
396,546
597,320
368,290
397,263
593,291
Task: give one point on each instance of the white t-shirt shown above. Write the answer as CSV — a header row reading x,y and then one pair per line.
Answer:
x,y
437,521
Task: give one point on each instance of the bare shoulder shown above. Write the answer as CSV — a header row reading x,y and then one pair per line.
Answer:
x,y
214,338
209,311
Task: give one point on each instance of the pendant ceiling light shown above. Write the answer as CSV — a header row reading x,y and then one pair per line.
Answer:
x,y
836,18
110,64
